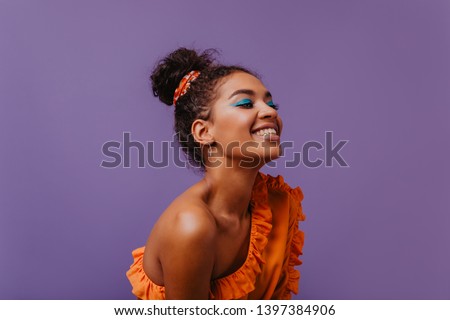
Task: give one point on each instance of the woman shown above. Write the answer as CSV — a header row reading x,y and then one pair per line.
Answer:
x,y
234,234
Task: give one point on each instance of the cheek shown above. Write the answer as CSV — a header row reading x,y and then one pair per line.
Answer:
x,y
234,126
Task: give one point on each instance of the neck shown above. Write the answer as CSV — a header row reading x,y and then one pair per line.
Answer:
x,y
230,190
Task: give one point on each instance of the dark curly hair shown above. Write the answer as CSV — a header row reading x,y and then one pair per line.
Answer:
x,y
195,104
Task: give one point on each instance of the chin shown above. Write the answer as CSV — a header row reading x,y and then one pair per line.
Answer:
x,y
258,157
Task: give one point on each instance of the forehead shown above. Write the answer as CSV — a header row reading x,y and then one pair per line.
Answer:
x,y
238,81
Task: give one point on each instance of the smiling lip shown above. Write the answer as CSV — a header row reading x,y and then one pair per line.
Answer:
x,y
267,126
270,136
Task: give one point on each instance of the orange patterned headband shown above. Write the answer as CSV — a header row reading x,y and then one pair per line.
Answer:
x,y
185,84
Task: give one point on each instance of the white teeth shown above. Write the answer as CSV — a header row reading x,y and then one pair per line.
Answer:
x,y
265,131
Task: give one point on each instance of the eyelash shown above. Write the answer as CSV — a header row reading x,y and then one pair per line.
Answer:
x,y
249,105
275,106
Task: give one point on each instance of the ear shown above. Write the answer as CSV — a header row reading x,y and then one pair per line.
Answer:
x,y
201,130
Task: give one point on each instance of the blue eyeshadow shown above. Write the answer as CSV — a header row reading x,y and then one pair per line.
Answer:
x,y
243,101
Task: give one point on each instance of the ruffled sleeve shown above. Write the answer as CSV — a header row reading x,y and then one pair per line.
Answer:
x,y
295,235
143,288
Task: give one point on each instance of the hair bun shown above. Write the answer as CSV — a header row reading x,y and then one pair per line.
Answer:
x,y
169,71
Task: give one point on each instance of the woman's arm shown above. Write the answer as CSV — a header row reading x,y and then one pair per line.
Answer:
x,y
187,255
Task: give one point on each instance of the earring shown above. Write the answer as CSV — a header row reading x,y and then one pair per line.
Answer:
x,y
209,151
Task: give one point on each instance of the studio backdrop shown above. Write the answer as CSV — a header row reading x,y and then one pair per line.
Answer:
x,y
363,90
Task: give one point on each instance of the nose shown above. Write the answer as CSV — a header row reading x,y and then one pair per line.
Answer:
x,y
267,112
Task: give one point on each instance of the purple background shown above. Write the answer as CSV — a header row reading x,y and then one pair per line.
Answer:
x,y
73,75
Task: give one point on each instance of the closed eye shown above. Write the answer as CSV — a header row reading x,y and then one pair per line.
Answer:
x,y
247,103
273,105
244,103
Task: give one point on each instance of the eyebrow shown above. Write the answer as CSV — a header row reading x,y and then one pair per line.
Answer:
x,y
249,92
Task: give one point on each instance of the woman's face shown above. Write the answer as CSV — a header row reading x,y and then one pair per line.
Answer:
x,y
244,121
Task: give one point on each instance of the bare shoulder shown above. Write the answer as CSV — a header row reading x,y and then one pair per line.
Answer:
x,y
188,219
183,242
187,215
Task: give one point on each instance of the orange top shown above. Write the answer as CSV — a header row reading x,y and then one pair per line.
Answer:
x,y
275,244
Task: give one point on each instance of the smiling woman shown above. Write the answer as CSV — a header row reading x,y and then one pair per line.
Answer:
x,y
234,234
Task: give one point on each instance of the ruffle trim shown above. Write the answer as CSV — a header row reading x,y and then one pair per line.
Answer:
x,y
143,287
298,237
241,282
